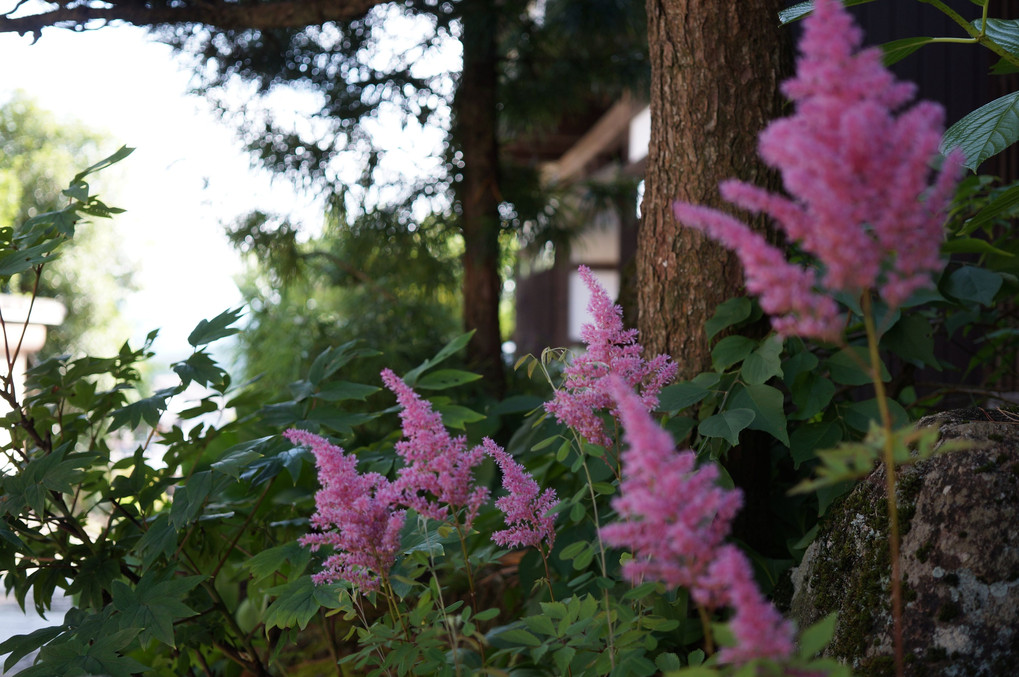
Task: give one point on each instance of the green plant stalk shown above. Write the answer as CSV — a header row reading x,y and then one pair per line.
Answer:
x,y
889,463
976,36
394,607
601,548
709,640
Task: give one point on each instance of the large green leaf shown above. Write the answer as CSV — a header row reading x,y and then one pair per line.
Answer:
x,y
730,350
445,378
728,313
986,131
764,362
154,605
1005,32
727,424
20,646
977,285
766,403
298,601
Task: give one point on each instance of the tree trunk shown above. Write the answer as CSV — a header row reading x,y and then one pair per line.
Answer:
x,y
478,191
715,71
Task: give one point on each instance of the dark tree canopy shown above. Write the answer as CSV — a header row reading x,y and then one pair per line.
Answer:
x,y
525,66
223,14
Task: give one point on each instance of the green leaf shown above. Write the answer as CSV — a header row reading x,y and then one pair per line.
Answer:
x,y
1001,206
298,601
986,131
562,659
339,420
450,349
973,284
345,390
270,562
573,549
519,636
456,416
912,339
540,624
860,415
846,368
445,378
153,606
897,50
764,362
728,313
20,646
1005,32
218,327
727,424
816,637
199,368
17,261
189,499
680,396
766,402
730,350
974,245
811,394
159,540
808,439
798,11
119,155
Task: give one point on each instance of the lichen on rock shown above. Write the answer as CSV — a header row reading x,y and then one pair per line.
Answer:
x,y
959,554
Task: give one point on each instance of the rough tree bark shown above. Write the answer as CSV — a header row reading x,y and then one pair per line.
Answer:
x,y
475,108
715,71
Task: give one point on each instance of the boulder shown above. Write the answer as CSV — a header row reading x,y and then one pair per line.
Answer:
x,y
959,515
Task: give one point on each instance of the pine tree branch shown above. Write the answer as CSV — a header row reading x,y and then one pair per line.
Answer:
x,y
214,13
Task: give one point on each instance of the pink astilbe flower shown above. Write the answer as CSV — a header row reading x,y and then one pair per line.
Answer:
x,y
526,508
438,475
611,349
354,514
857,172
674,518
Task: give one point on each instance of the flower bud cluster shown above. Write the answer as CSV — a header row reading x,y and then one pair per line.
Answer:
x,y
611,349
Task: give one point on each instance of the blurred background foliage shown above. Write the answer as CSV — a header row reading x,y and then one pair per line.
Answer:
x,y
92,276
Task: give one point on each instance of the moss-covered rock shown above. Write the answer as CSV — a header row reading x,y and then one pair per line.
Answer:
x,y
959,557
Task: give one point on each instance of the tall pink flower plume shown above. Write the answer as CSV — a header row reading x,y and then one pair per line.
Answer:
x,y
674,518
355,514
438,471
857,172
526,508
611,349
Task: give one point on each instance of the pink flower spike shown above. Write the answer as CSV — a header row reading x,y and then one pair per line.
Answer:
x,y
438,473
674,518
354,515
525,507
611,349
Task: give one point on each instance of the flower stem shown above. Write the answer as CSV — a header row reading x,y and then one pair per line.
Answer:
x,y
889,463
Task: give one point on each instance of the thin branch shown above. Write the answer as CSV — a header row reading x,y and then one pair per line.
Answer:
x,y
214,13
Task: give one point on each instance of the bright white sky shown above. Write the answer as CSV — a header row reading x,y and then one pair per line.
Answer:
x,y
187,177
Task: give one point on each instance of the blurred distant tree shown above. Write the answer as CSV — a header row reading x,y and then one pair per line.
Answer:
x,y
374,278
525,65
91,276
